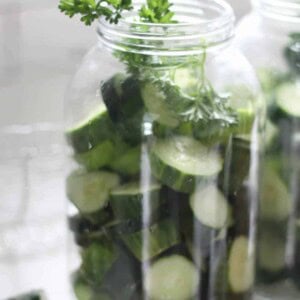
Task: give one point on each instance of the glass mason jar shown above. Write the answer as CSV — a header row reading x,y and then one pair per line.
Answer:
x,y
164,123
270,38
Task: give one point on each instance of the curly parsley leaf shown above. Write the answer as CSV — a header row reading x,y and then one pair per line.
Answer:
x,y
90,10
157,11
154,11
205,106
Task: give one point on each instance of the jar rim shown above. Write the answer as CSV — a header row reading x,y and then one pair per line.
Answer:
x,y
282,10
199,24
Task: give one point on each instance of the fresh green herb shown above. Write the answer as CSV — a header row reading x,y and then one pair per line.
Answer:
x,y
134,62
202,108
205,105
199,103
154,11
157,11
91,10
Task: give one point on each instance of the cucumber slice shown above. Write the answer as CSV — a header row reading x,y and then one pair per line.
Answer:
x,y
156,103
98,157
287,97
182,162
271,256
131,200
112,95
241,266
85,240
171,278
151,242
83,291
80,224
97,260
237,165
86,231
123,99
210,207
242,206
89,191
95,129
127,162
123,280
275,202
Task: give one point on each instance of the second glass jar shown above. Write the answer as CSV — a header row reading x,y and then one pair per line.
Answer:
x,y
164,122
270,39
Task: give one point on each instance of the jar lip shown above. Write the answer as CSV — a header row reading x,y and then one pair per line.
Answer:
x,y
200,24
282,10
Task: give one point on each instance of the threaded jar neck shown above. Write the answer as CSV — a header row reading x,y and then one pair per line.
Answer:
x,y
281,10
199,24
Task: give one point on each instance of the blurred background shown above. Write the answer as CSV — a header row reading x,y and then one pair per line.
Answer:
x,y
40,49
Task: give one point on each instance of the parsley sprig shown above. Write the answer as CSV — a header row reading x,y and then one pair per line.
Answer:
x,y
157,11
90,10
154,11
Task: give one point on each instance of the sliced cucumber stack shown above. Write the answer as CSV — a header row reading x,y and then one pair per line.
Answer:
x,y
123,99
89,191
241,266
92,131
152,241
97,260
287,99
172,278
133,200
275,202
182,162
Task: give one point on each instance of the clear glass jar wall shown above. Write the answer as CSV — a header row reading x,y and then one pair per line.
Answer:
x,y
164,127
270,38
